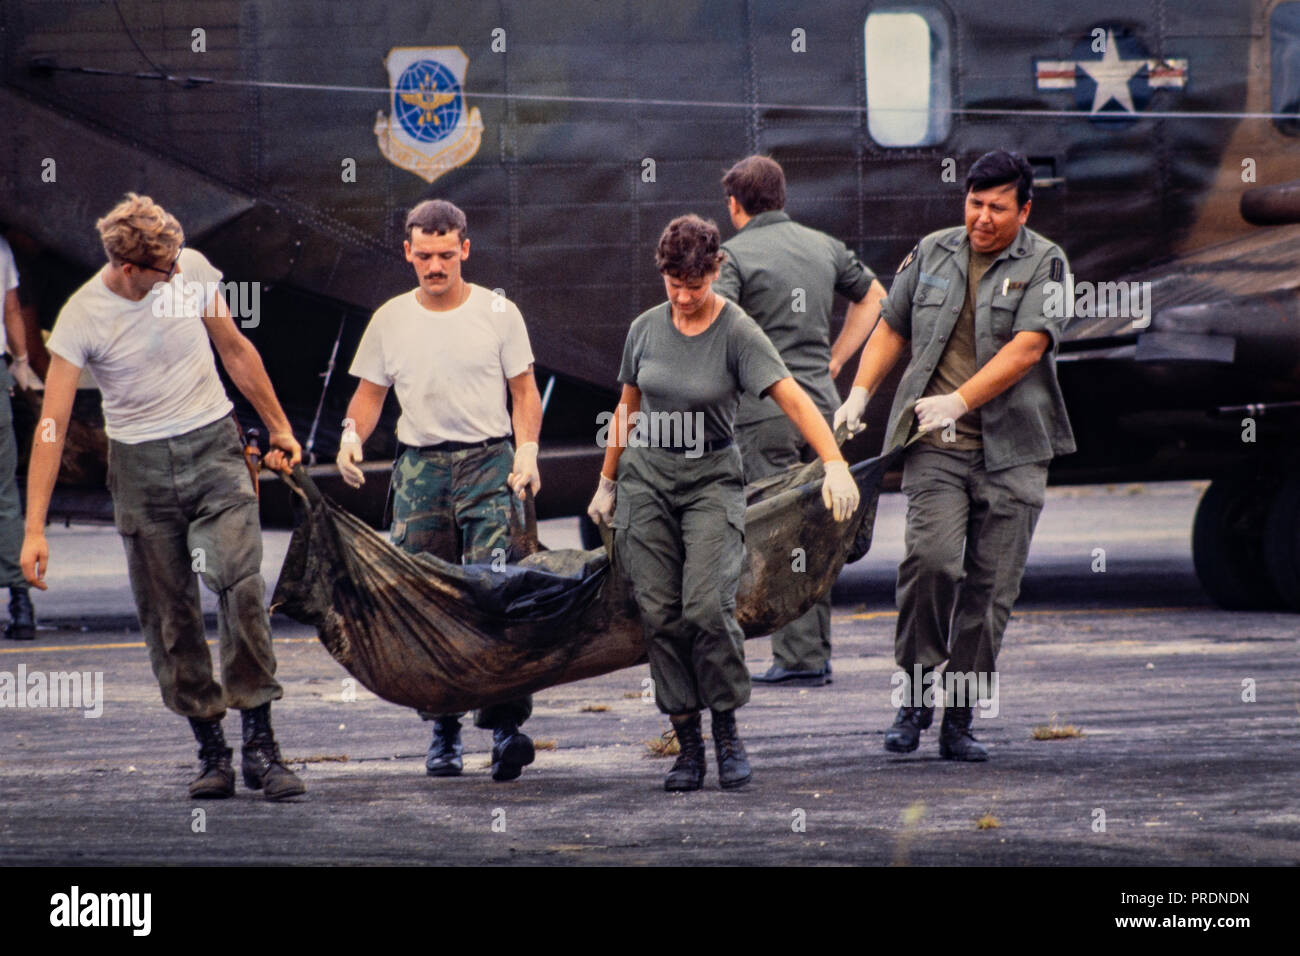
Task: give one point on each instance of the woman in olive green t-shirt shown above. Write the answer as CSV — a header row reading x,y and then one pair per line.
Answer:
x,y
676,499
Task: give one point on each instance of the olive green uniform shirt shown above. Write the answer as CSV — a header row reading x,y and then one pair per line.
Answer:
x,y
785,276
1028,421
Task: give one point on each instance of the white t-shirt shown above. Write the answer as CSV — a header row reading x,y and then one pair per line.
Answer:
x,y
449,368
8,281
151,359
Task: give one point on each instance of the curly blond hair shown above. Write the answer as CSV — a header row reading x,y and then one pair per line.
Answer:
x,y
138,229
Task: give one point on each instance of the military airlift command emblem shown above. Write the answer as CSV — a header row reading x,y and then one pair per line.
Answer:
x,y
429,130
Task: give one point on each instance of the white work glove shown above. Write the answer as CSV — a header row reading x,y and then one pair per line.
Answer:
x,y
24,376
935,411
349,458
839,490
850,413
524,472
601,509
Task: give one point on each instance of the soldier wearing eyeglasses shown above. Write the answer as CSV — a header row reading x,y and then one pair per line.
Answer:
x,y
145,325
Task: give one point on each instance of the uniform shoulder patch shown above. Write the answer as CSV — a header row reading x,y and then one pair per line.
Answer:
x,y
907,259
1057,269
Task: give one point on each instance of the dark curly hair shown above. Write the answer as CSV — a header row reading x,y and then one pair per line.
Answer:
x,y
689,248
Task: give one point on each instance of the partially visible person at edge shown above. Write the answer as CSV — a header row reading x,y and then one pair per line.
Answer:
x,y
13,337
452,349
785,277
679,518
182,495
981,391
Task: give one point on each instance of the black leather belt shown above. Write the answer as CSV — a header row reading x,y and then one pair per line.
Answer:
x,y
461,445
718,444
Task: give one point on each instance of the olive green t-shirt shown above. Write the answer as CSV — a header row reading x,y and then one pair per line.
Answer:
x,y
957,364
703,373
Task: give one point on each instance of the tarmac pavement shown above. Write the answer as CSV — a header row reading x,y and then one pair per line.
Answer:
x,y
1190,720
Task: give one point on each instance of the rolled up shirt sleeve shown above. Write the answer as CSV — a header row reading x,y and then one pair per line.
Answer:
x,y
1032,314
896,309
853,279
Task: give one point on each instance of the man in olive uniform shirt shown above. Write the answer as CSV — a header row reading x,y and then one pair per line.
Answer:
x,y
785,277
981,390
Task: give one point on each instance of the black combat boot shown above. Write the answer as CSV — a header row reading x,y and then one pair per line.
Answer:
x,y
445,750
216,779
263,768
905,734
512,750
22,618
733,764
687,772
956,742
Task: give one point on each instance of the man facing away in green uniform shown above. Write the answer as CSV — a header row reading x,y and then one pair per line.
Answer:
x,y
451,348
981,390
785,276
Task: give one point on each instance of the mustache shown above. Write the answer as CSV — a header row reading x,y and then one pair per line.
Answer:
x,y
436,275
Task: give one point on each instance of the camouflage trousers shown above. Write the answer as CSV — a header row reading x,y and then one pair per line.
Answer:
x,y
185,506
766,448
455,505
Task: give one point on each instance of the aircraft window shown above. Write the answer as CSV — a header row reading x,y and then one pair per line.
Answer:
x,y
1284,27
908,90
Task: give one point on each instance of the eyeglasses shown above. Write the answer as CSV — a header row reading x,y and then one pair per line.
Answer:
x,y
168,272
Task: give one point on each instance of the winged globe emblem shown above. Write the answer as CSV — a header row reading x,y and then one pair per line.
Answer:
x,y
431,130
428,101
